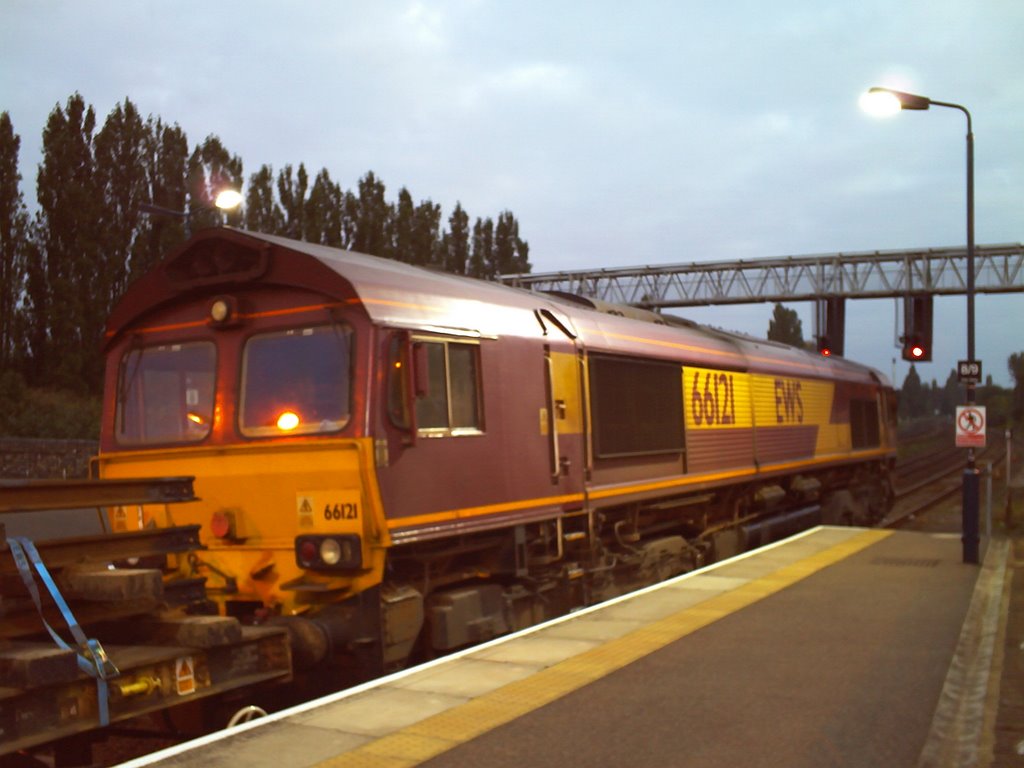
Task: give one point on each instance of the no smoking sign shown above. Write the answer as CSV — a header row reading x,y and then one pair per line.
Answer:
x,y
970,426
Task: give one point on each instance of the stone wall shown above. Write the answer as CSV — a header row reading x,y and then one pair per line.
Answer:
x,y
45,459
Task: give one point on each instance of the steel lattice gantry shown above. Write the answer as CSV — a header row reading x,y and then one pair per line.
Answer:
x,y
872,274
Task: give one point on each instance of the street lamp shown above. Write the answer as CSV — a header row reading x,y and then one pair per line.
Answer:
x,y
885,101
226,200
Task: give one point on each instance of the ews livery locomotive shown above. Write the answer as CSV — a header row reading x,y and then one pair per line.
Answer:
x,y
394,462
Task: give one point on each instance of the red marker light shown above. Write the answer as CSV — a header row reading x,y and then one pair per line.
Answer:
x,y
307,553
917,351
826,352
220,524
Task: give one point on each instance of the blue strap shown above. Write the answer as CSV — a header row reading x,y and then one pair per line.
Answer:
x,y
90,654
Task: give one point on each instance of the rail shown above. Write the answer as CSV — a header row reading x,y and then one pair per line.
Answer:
x,y
35,495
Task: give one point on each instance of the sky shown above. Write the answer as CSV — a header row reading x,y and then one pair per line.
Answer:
x,y
618,134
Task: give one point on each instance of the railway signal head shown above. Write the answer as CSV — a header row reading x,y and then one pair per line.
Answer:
x,y
915,350
917,324
830,323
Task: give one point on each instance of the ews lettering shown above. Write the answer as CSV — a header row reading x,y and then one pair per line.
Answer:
x,y
789,407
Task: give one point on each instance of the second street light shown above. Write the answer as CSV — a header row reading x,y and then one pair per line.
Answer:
x,y
885,101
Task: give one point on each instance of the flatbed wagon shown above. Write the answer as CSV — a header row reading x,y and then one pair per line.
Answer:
x,y
96,628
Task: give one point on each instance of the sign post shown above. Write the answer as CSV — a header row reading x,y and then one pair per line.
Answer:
x,y
970,434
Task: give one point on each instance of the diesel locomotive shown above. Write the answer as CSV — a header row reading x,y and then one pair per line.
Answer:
x,y
395,462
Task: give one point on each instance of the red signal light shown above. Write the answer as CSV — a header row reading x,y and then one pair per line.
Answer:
x,y
825,346
915,349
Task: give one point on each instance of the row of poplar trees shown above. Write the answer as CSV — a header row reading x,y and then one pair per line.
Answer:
x,y
63,268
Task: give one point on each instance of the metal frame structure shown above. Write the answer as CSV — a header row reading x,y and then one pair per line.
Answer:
x,y
862,275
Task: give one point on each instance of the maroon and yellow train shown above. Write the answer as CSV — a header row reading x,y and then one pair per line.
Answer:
x,y
395,461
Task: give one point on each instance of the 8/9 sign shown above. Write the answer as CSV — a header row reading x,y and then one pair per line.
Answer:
x,y
968,371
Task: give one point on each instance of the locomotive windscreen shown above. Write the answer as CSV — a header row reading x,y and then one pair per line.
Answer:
x,y
165,393
296,381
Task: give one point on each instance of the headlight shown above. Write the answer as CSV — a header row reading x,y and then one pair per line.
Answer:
x,y
330,551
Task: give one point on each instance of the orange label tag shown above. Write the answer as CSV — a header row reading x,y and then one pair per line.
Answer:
x,y
185,675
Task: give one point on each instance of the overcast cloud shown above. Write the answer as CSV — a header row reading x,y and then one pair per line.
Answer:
x,y
656,133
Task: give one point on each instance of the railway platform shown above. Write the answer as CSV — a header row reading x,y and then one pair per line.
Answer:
x,y
838,647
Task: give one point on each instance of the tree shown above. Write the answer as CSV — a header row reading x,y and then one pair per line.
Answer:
x,y
292,194
912,396
481,259
166,161
369,217
349,220
932,398
414,231
13,236
262,213
455,242
324,212
426,235
785,327
399,228
510,253
952,394
66,322
62,270
120,153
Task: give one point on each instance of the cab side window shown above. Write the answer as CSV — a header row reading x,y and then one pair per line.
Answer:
x,y
448,398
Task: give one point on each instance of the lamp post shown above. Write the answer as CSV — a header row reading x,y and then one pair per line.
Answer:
x,y
885,101
226,200
159,210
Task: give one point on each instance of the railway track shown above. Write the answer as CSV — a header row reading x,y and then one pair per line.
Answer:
x,y
926,481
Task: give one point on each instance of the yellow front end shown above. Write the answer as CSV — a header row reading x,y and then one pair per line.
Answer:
x,y
256,501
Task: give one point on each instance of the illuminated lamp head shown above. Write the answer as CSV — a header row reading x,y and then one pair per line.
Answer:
x,y
287,421
220,311
223,312
917,351
228,199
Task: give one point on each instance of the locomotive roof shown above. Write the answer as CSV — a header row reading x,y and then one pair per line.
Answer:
x,y
402,295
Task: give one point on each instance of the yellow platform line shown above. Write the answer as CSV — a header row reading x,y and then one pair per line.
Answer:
x,y
439,733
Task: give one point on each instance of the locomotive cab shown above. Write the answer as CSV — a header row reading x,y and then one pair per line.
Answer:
x,y
219,368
